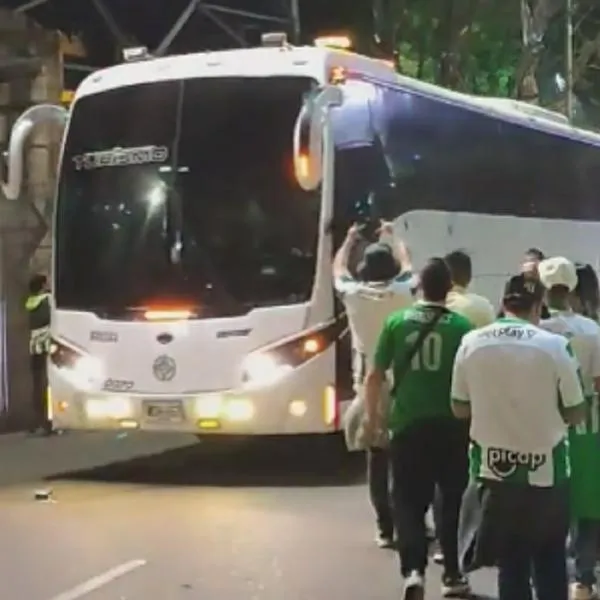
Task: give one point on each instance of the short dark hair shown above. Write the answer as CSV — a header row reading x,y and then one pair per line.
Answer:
x,y
461,269
535,253
378,263
557,294
522,293
37,283
436,280
588,290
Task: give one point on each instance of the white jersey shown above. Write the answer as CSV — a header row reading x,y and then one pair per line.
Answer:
x,y
584,336
368,305
516,376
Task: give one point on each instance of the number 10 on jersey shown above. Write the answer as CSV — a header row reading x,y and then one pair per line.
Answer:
x,y
429,356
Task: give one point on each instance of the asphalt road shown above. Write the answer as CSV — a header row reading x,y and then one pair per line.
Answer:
x,y
146,517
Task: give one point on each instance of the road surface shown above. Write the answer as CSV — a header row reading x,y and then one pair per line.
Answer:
x,y
146,517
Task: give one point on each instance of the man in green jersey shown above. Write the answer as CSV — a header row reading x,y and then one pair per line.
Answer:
x,y
428,447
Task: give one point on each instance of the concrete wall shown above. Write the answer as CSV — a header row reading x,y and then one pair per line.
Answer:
x,y
24,224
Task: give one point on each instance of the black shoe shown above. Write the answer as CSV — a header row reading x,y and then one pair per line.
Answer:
x,y
455,586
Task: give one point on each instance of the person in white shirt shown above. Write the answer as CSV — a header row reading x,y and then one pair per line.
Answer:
x,y
559,277
520,387
383,284
478,309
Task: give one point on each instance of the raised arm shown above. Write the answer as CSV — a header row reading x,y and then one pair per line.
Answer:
x,y
342,256
399,248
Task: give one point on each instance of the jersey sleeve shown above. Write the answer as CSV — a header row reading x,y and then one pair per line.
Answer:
x,y
459,390
461,326
345,285
569,379
384,352
596,355
403,285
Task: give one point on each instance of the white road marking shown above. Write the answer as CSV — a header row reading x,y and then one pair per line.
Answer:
x,y
95,583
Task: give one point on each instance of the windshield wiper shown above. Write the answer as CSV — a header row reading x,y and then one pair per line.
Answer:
x,y
174,205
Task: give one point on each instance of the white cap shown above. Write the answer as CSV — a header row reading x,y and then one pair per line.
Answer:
x,y
558,271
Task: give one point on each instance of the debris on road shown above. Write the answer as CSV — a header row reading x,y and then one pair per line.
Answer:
x,y
43,496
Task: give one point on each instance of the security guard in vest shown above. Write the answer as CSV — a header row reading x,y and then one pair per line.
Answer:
x,y
38,309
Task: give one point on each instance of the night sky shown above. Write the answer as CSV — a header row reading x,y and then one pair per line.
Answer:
x,y
148,21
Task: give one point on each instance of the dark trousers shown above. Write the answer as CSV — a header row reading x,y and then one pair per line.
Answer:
x,y
437,512
39,397
544,565
378,474
585,544
430,453
529,529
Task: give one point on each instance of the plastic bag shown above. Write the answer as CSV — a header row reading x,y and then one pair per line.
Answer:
x,y
353,423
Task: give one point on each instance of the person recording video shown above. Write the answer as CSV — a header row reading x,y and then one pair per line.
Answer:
x,y
382,284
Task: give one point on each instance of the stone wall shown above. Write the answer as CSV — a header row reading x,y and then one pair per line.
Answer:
x,y
25,223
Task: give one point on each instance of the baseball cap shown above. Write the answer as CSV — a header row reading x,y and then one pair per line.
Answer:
x,y
558,271
522,288
378,263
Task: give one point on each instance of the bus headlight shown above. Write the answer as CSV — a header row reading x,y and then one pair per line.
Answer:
x,y
81,370
270,364
115,407
264,369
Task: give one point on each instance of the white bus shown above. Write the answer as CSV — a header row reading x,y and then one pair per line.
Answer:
x,y
200,199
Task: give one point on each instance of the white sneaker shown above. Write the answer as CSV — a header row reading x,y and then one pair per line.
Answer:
x,y
384,541
582,592
414,586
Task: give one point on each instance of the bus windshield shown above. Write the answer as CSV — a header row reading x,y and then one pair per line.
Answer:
x,y
183,191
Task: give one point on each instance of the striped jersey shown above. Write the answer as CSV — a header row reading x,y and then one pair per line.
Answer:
x,y
516,377
584,336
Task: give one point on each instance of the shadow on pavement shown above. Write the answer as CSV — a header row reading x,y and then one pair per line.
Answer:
x,y
319,462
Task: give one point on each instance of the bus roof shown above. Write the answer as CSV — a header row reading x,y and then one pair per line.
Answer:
x,y
315,62
503,109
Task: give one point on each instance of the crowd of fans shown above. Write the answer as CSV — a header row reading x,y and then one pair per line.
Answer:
x,y
490,417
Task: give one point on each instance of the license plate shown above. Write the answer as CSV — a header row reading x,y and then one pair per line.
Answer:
x,y
170,411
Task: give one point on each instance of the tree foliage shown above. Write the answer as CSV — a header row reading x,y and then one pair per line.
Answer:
x,y
511,48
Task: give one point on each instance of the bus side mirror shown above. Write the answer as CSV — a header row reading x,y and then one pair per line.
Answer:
x,y
308,136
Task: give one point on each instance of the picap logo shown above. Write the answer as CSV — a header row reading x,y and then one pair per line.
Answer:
x,y
504,463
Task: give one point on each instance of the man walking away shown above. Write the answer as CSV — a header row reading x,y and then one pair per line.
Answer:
x,y
38,309
520,385
559,277
428,447
476,308
381,287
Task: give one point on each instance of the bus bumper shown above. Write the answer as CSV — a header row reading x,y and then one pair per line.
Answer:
x,y
302,403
